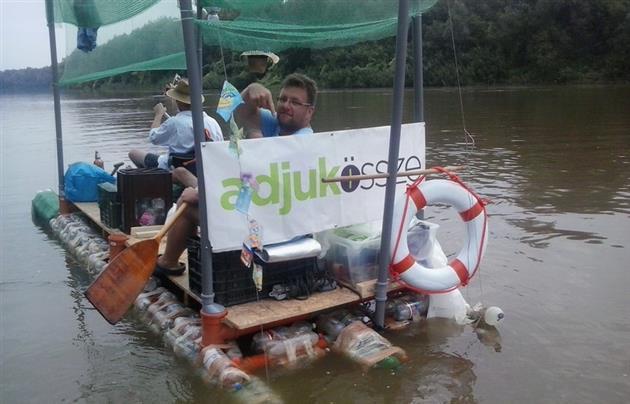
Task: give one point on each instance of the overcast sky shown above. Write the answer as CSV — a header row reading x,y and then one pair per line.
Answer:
x,y
24,34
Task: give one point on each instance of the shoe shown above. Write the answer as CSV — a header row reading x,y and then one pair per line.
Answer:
x,y
161,271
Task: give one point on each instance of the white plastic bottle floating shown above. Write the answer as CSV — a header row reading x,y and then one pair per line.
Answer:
x,y
144,300
180,326
163,319
96,261
162,301
220,369
410,308
493,315
291,349
187,345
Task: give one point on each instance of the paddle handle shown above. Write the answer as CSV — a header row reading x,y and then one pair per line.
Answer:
x,y
167,226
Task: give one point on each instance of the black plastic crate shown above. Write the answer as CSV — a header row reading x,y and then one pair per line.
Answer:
x,y
232,281
145,195
109,205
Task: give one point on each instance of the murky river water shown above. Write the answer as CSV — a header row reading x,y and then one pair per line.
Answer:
x,y
554,161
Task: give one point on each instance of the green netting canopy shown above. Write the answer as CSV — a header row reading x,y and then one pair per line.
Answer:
x,y
276,25
142,35
96,13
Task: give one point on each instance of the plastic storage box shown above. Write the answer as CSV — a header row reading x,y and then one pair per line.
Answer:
x,y
146,195
352,252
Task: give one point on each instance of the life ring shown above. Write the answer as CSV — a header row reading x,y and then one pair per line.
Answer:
x,y
458,272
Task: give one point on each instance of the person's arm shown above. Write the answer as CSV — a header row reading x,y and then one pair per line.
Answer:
x,y
254,96
190,196
160,111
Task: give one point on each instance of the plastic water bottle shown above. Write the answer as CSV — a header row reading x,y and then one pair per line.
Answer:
x,y
97,160
493,316
408,309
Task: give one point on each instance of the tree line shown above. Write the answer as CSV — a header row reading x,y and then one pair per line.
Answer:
x,y
495,42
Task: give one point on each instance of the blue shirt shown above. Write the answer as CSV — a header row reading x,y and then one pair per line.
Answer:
x,y
270,127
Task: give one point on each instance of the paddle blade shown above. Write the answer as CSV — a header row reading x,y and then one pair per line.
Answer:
x,y
122,280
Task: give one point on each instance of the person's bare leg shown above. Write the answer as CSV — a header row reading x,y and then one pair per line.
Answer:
x,y
184,177
137,157
176,238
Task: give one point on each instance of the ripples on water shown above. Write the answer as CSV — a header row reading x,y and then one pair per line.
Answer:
x,y
554,162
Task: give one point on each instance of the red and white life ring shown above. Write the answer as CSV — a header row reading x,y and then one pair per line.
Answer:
x,y
465,264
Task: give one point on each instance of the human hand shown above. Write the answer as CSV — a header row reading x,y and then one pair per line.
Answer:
x,y
159,109
258,96
190,196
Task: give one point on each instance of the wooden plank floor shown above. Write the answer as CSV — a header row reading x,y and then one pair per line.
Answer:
x,y
253,314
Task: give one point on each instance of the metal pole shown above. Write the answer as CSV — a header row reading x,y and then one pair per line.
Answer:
x,y
199,41
394,146
55,87
194,79
418,79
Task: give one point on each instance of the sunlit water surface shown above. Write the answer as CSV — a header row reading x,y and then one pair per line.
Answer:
x,y
554,162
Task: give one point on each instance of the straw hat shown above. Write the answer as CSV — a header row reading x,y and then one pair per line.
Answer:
x,y
181,92
258,68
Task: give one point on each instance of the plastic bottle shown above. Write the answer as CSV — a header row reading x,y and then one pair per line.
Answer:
x,y
412,308
144,300
186,345
221,370
493,316
97,160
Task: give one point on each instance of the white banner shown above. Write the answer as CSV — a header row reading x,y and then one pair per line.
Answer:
x,y
291,200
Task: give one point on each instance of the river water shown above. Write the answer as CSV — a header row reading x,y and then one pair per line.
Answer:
x,y
555,163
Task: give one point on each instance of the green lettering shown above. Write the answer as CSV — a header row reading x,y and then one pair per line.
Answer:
x,y
228,199
271,181
286,188
311,193
324,174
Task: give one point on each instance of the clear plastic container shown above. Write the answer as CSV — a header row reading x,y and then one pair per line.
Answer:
x,y
352,252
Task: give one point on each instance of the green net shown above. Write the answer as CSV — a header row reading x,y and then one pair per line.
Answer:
x,y
148,41
146,35
276,25
96,13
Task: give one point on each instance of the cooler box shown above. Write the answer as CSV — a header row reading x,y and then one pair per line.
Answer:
x,y
145,195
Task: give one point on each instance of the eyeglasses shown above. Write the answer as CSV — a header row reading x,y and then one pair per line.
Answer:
x,y
294,103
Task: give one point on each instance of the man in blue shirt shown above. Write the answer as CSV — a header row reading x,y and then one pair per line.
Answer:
x,y
291,115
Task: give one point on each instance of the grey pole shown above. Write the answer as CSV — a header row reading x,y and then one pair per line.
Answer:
x,y
199,42
194,79
418,78
394,146
55,87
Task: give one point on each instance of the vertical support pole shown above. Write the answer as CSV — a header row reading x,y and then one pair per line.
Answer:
x,y
394,146
50,18
194,79
418,78
199,41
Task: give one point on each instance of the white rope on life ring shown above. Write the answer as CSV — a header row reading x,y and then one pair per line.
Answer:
x,y
465,264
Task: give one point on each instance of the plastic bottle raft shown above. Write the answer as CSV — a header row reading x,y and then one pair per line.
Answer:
x,y
344,331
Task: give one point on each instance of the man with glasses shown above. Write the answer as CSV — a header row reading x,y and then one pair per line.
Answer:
x,y
290,116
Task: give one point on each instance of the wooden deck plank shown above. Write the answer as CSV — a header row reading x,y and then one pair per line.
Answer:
x,y
267,311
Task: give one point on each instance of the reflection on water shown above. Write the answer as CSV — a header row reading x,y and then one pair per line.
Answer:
x,y
554,162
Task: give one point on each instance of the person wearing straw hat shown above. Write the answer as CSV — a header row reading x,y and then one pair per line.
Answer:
x,y
175,132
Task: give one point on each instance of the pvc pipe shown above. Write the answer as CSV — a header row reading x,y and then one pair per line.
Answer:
x,y
194,79
394,147
50,18
418,78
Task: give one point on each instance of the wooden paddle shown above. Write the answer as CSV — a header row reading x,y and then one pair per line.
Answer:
x,y
122,280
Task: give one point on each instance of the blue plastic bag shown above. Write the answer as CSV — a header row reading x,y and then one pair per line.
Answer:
x,y
81,182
